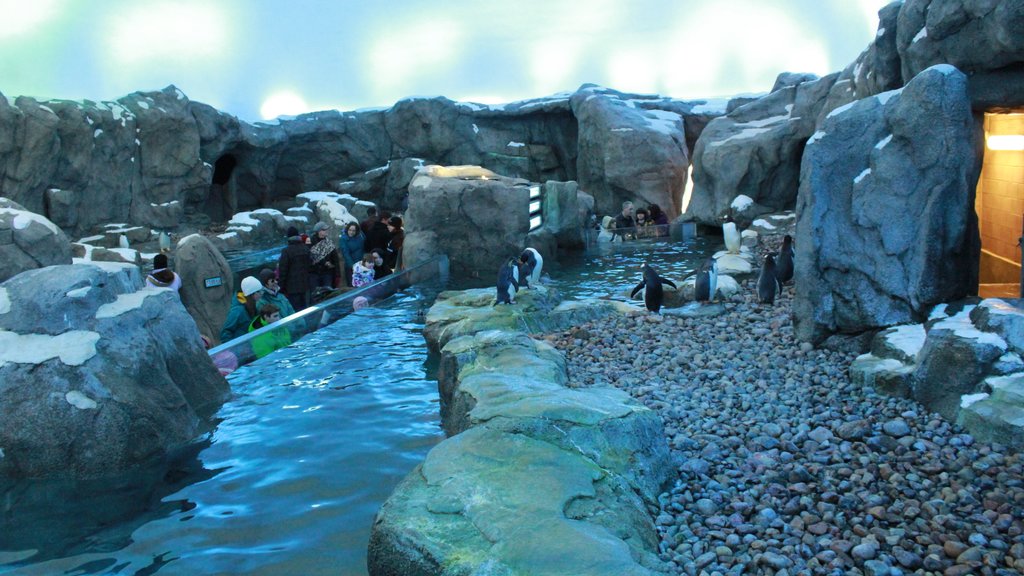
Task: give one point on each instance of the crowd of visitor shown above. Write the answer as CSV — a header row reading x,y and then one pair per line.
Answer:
x,y
649,222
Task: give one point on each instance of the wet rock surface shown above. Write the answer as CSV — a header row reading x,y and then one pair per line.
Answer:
x,y
785,466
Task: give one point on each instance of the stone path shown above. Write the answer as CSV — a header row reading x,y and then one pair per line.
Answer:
x,y
785,467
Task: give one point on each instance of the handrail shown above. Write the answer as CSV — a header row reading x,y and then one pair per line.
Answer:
x,y
239,351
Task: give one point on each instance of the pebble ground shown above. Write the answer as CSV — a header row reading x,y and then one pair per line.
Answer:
x,y
785,467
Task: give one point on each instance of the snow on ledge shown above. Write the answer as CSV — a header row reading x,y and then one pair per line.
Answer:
x,y
908,338
944,69
938,312
815,137
997,306
80,401
762,223
23,219
967,399
73,348
962,327
883,142
741,202
862,175
126,302
921,35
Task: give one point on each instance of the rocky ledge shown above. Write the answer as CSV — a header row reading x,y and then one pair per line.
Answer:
x,y
536,477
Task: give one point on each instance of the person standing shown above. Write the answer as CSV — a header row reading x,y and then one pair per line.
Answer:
x,y
272,293
293,265
162,276
393,252
378,236
624,222
371,219
352,246
325,259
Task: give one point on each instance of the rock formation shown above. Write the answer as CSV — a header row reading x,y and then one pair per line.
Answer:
x,y
908,152
97,374
28,240
207,284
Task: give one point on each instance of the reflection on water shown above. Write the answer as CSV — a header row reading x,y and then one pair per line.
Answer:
x,y
315,439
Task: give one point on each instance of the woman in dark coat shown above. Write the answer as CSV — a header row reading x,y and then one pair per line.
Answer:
x,y
293,266
394,249
352,245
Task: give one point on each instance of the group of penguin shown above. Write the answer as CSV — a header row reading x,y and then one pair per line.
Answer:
x,y
775,272
518,272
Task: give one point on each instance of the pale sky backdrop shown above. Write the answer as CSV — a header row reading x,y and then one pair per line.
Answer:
x,y
261,58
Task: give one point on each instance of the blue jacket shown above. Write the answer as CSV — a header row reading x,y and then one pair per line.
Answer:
x,y
352,248
279,300
237,323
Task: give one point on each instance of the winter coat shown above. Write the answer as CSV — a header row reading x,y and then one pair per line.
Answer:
x,y
377,237
237,322
324,257
164,278
361,275
352,248
266,343
294,266
394,248
278,299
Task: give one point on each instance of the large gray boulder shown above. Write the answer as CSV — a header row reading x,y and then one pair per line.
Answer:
x,y
97,374
755,151
908,152
566,211
628,153
207,283
473,215
980,37
28,240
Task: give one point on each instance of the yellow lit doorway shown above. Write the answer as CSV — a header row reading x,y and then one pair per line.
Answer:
x,y
1000,206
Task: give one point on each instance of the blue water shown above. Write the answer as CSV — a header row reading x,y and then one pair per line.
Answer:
x,y
315,438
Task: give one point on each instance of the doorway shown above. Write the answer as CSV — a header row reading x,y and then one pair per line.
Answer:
x,y
220,204
1000,206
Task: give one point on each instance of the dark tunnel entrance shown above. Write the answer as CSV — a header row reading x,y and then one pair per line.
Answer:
x,y
221,202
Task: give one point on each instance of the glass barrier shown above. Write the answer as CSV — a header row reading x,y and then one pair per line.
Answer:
x,y
259,343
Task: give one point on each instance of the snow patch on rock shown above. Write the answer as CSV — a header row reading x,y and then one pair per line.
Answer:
x,y
73,348
80,401
126,302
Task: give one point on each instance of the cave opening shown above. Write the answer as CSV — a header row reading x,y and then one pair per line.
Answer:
x,y
999,203
221,202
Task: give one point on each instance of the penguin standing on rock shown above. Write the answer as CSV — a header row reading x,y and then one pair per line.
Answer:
x,y
706,284
532,263
651,284
784,265
767,283
733,238
508,282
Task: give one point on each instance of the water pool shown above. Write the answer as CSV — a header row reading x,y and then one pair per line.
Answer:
x,y
315,439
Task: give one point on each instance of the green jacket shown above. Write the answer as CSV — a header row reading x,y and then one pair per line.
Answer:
x,y
266,343
237,323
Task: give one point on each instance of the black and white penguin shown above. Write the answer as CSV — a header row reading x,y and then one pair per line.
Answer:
x,y
651,284
532,263
767,283
784,265
508,282
706,284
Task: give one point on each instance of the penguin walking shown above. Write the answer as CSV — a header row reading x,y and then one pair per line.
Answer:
x,y
733,240
508,282
651,284
784,265
767,283
164,242
532,263
706,284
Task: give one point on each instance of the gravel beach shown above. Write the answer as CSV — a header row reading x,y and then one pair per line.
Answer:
x,y
787,468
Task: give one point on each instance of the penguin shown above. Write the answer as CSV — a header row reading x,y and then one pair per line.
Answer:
x,y
508,282
706,285
767,283
732,237
123,241
784,265
532,263
165,242
651,284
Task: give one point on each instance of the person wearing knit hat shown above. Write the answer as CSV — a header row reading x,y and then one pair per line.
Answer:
x,y
272,293
244,307
162,276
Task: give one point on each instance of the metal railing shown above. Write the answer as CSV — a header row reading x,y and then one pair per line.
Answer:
x,y
245,349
